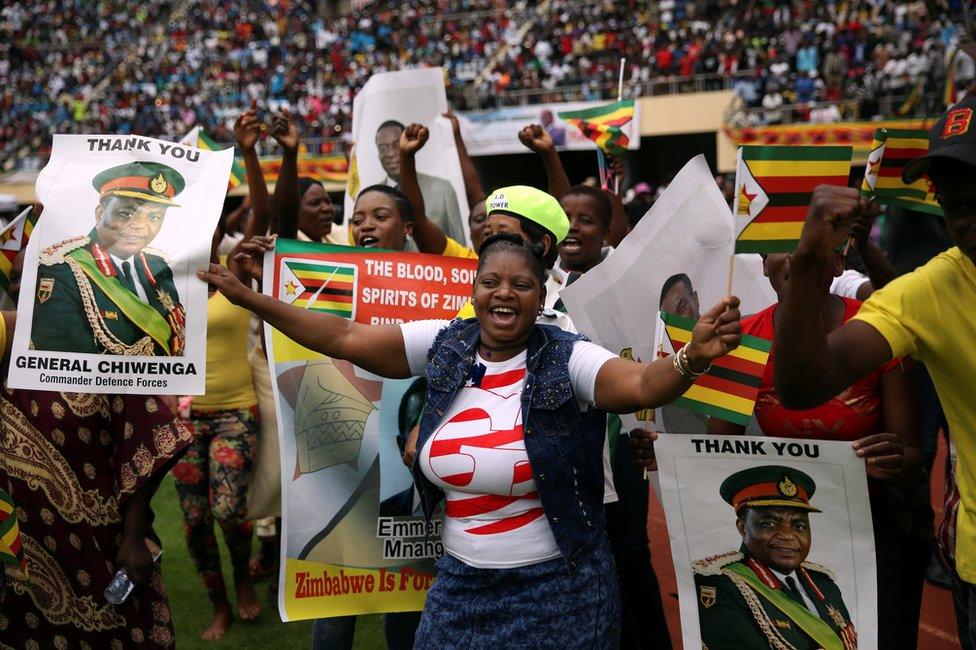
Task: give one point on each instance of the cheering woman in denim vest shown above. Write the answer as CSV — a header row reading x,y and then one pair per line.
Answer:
x,y
512,439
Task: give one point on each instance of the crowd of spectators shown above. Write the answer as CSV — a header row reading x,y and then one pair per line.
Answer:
x,y
53,54
823,62
167,65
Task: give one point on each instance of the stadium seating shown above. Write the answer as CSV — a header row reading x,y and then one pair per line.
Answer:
x,y
159,67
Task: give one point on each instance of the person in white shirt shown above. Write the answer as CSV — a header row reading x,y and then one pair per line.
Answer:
x,y
491,461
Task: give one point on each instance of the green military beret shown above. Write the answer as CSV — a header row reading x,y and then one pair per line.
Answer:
x,y
148,181
769,486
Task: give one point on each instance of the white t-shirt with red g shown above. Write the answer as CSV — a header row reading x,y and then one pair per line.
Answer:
x,y
493,516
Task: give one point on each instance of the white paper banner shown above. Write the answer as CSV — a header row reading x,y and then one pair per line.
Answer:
x,y
494,132
705,533
387,102
676,259
110,301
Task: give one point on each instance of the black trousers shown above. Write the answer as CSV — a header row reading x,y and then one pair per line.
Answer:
x,y
901,516
643,625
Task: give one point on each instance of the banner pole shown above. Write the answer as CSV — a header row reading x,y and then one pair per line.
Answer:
x,y
728,287
620,80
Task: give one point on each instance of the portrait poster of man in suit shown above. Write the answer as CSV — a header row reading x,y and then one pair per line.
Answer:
x,y
381,110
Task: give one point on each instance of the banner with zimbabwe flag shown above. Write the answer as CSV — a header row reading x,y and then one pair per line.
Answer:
x,y
773,187
353,539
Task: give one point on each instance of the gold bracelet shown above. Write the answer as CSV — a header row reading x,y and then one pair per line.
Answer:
x,y
683,366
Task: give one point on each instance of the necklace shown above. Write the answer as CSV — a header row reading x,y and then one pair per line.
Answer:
x,y
508,347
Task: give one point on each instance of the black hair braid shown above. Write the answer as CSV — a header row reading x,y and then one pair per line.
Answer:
x,y
511,243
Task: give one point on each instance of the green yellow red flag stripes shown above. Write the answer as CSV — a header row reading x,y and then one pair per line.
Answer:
x,y
604,124
13,239
729,389
333,168
773,188
237,173
320,286
891,151
11,545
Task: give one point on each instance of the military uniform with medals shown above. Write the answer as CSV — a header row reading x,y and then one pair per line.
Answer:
x,y
743,604
87,302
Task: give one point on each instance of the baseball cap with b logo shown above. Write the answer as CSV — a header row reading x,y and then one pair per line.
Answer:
x,y
952,138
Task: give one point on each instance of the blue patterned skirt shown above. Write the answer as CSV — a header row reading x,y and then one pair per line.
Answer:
x,y
538,606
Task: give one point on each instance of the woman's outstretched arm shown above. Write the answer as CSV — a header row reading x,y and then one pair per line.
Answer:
x,y
376,348
624,386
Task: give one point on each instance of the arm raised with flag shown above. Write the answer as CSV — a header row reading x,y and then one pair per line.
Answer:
x,y
811,367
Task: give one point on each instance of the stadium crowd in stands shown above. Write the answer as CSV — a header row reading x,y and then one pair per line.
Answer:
x,y
210,57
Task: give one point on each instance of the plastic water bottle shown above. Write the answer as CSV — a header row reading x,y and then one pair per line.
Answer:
x,y
121,586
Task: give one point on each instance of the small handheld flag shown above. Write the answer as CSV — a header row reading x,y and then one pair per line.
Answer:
x,y
891,151
729,389
949,95
912,100
13,239
11,545
773,188
604,124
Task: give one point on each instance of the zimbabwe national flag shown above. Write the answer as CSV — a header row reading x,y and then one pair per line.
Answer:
x,y
237,173
11,546
13,239
729,389
321,286
891,151
604,124
773,187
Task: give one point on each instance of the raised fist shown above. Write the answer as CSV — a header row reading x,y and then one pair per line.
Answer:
x,y
413,139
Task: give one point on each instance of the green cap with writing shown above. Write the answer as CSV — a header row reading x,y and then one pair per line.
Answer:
x,y
532,204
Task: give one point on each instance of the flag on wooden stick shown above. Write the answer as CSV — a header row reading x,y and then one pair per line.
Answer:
x,y
730,387
891,151
773,188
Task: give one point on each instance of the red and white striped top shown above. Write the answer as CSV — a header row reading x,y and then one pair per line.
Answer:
x,y
493,516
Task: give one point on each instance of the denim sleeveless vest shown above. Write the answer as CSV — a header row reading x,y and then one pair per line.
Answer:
x,y
564,445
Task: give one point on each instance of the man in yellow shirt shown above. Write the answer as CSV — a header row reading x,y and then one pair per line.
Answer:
x,y
926,314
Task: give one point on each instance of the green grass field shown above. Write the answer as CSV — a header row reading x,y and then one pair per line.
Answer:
x,y
192,611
